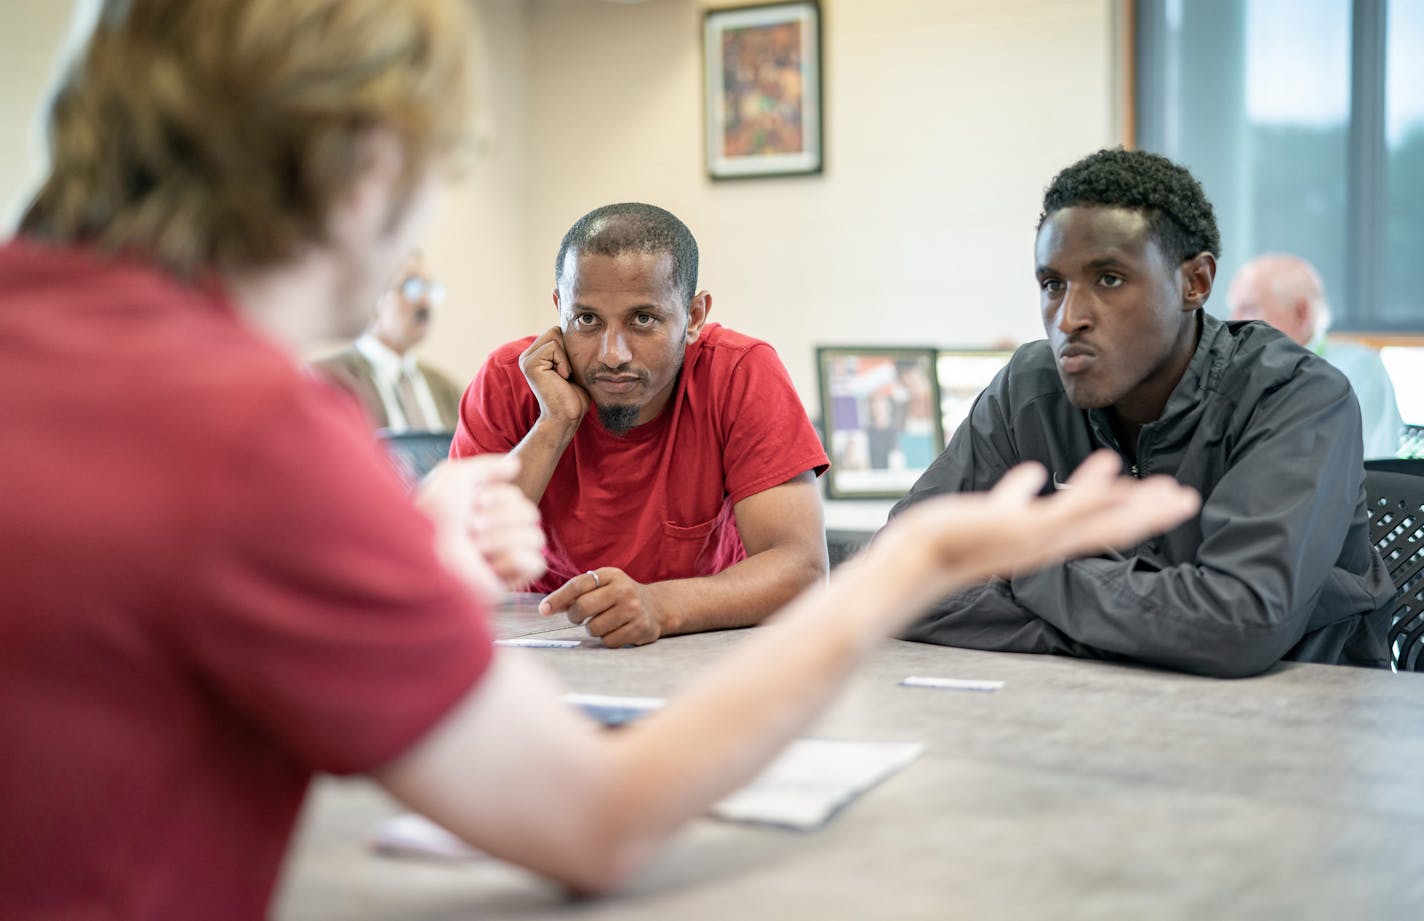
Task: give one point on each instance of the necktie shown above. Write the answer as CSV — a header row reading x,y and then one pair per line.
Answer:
x,y
415,417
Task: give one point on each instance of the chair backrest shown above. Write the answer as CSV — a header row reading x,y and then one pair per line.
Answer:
x,y
415,453
1411,465
1396,506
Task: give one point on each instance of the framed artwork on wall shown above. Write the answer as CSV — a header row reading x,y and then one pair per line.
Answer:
x,y
762,89
880,417
962,375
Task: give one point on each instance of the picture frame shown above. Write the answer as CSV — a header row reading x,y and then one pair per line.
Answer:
x,y
762,90
962,374
880,418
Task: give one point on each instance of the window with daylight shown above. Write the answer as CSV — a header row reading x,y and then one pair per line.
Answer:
x,y
1304,120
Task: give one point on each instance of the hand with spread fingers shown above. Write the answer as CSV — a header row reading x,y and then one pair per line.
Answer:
x,y
973,536
611,606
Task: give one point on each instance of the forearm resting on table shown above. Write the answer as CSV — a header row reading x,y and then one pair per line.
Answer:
x,y
783,531
740,596
1205,620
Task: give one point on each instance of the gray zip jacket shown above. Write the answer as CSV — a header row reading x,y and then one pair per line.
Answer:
x,y
1277,564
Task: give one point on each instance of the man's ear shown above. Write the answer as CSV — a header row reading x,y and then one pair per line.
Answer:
x,y
1198,274
697,312
558,307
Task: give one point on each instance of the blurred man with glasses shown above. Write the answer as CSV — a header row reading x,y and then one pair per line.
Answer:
x,y
398,393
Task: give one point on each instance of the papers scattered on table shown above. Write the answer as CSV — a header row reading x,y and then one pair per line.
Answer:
x,y
613,711
810,782
802,788
533,642
951,684
813,779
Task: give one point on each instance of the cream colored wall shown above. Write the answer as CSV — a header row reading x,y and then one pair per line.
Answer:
x,y
32,35
477,242
944,120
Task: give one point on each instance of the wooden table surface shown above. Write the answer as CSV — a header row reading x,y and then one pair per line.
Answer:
x,y
1078,790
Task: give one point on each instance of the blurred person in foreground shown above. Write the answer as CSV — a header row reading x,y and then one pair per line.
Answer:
x,y
1285,291
216,586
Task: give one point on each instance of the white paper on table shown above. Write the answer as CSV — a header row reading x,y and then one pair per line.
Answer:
x,y
807,784
411,834
536,642
951,684
813,779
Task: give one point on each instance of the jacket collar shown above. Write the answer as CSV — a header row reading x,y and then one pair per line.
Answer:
x,y
1203,371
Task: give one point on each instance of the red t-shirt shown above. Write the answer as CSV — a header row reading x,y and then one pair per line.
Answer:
x,y
657,501
214,585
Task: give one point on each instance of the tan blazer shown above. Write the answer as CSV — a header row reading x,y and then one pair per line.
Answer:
x,y
349,370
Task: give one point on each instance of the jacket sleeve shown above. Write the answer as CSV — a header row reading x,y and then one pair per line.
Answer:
x,y
1270,533
347,371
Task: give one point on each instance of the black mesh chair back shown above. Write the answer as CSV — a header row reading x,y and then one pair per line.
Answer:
x,y
1396,505
415,453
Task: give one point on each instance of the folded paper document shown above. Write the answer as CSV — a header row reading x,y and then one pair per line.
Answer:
x,y
813,779
804,787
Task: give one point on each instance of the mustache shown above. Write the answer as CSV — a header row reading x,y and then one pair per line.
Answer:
x,y
594,372
1075,347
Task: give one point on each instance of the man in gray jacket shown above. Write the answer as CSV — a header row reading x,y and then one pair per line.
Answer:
x,y
1278,563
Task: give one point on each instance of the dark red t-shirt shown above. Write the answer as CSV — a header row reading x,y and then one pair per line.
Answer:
x,y
213,586
657,501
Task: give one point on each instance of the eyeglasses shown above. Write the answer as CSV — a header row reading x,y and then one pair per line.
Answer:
x,y
416,288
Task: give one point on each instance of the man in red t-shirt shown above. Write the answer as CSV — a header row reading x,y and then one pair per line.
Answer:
x,y
671,458
215,587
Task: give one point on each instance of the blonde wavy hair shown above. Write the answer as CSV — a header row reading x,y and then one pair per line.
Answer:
x,y
220,133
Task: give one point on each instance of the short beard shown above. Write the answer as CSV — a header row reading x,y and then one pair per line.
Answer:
x,y
618,419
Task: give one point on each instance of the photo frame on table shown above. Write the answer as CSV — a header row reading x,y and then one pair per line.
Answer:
x,y
762,89
962,375
880,418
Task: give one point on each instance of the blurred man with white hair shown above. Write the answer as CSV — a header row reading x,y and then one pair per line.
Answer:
x,y
1285,291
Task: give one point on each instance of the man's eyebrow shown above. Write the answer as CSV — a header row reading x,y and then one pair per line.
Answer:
x,y
1106,262
1092,265
631,308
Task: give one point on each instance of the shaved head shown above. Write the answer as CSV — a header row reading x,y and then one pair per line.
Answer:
x,y
1284,291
